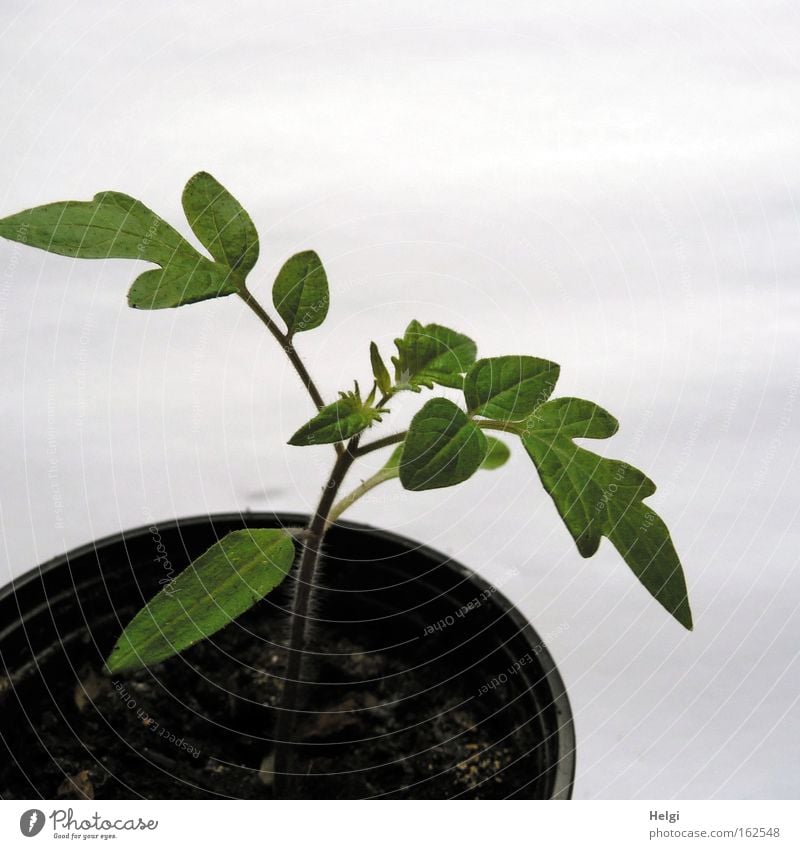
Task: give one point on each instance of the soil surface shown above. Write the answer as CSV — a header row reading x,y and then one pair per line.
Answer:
x,y
382,721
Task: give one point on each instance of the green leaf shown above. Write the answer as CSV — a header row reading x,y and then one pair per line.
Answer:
x,y
337,422
509,388
600,497
220,222
114,225
220,585
432,354
176,286
497,454
442,447
300,292
379,370
396,458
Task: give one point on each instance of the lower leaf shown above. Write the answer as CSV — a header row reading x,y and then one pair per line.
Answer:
x,y
220,585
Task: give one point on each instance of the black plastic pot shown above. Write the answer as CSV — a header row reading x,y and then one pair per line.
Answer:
x,y
438,625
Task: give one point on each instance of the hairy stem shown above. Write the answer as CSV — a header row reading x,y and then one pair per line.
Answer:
x,y
306,571
285,343
381,476
393,439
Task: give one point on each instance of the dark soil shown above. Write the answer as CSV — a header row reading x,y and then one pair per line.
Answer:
x,y
383,720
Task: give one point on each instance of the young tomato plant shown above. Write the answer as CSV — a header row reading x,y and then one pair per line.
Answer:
x,y
445,444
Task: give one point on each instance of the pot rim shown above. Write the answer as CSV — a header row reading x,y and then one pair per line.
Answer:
x,y
564,773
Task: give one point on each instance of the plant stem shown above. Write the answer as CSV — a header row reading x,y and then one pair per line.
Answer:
x,y
492,424
285,343
393,439
287,718
362,489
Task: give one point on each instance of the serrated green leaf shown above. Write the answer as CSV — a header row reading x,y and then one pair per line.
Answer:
x,y
116,226
379,370
599,497
442,447
497,454
336,422
509,388
220,585
220,222
300,292
432,354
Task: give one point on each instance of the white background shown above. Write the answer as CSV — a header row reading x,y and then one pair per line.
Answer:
x,y
609,185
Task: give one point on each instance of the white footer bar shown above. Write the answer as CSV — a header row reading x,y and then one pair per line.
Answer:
x,y
410,825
